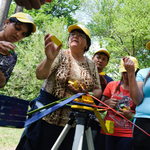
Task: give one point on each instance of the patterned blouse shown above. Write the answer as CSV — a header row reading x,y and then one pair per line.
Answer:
x,y
65,68
7,64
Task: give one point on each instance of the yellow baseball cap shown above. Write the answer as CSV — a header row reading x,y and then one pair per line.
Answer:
x,y
136,65
25,18
148,45
103,50
80,27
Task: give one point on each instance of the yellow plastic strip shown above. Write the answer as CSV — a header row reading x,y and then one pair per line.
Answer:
x,y
100,120
82,107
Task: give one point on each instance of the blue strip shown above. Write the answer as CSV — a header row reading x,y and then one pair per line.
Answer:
x,y
51,109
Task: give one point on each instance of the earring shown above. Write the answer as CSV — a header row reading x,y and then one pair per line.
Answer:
x,y
4,27
85,49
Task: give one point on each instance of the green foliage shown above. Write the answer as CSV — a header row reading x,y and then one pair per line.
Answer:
x,y
57,8
122,27
48,11
23,82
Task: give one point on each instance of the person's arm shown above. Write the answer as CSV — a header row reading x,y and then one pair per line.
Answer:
x,y
2,80
110,102
43,70
29,4
82,89
96,93
135,88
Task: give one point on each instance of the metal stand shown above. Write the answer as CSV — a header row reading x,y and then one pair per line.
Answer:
x,y
82,125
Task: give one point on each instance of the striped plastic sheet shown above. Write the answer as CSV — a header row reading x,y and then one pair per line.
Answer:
x,y
13,111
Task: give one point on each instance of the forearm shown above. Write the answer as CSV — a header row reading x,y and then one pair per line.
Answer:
x,y
135,93
97,93
43,70
2,80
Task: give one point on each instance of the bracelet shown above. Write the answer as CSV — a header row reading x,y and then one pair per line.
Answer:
x,y
91,93
132,117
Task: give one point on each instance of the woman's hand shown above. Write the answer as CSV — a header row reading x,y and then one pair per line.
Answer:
x,y
126,113
43,70
111,102
129,65
51,50
5,47
81,89
29,4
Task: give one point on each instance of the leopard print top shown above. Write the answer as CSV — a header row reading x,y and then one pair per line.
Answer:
x,y
65,68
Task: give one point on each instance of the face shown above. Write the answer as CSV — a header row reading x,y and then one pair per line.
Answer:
x,y
15,32
100,60
125,76
77,40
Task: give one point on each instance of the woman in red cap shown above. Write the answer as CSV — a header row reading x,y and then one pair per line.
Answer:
x,y
17,27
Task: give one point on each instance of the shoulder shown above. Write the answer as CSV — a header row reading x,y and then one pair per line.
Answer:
x,y
112,83
63,54
144,71
141,75
108,79
90,62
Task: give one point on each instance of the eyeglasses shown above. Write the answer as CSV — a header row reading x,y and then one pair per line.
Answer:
x,y
78,35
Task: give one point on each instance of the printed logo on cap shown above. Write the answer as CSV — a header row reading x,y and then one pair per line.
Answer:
x,y
81,26
29,17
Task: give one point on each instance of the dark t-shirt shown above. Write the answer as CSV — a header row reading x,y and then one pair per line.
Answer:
x,y
108,79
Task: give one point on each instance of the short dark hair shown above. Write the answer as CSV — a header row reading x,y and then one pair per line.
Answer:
x,y
87,38
30,26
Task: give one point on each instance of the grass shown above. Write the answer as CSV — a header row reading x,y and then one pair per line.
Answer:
x,y
9,138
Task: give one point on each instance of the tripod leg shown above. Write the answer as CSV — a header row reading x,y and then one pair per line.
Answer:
x,y
89,138
64,131
78,139
81,118
61,137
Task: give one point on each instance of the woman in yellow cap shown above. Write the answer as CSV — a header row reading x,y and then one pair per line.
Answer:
x,y
17,27
58,69
117,96
140,94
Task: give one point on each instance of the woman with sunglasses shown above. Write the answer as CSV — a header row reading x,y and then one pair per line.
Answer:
x,y
57,69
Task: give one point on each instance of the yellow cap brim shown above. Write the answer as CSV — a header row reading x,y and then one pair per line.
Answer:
x,y
73,27
103,51
25,18
136,65
28,21
123,70
148,45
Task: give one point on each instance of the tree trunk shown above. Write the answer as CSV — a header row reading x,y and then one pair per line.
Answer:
x,y
4,12
18,9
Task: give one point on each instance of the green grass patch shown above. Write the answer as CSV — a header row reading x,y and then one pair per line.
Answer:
x,y
9,138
